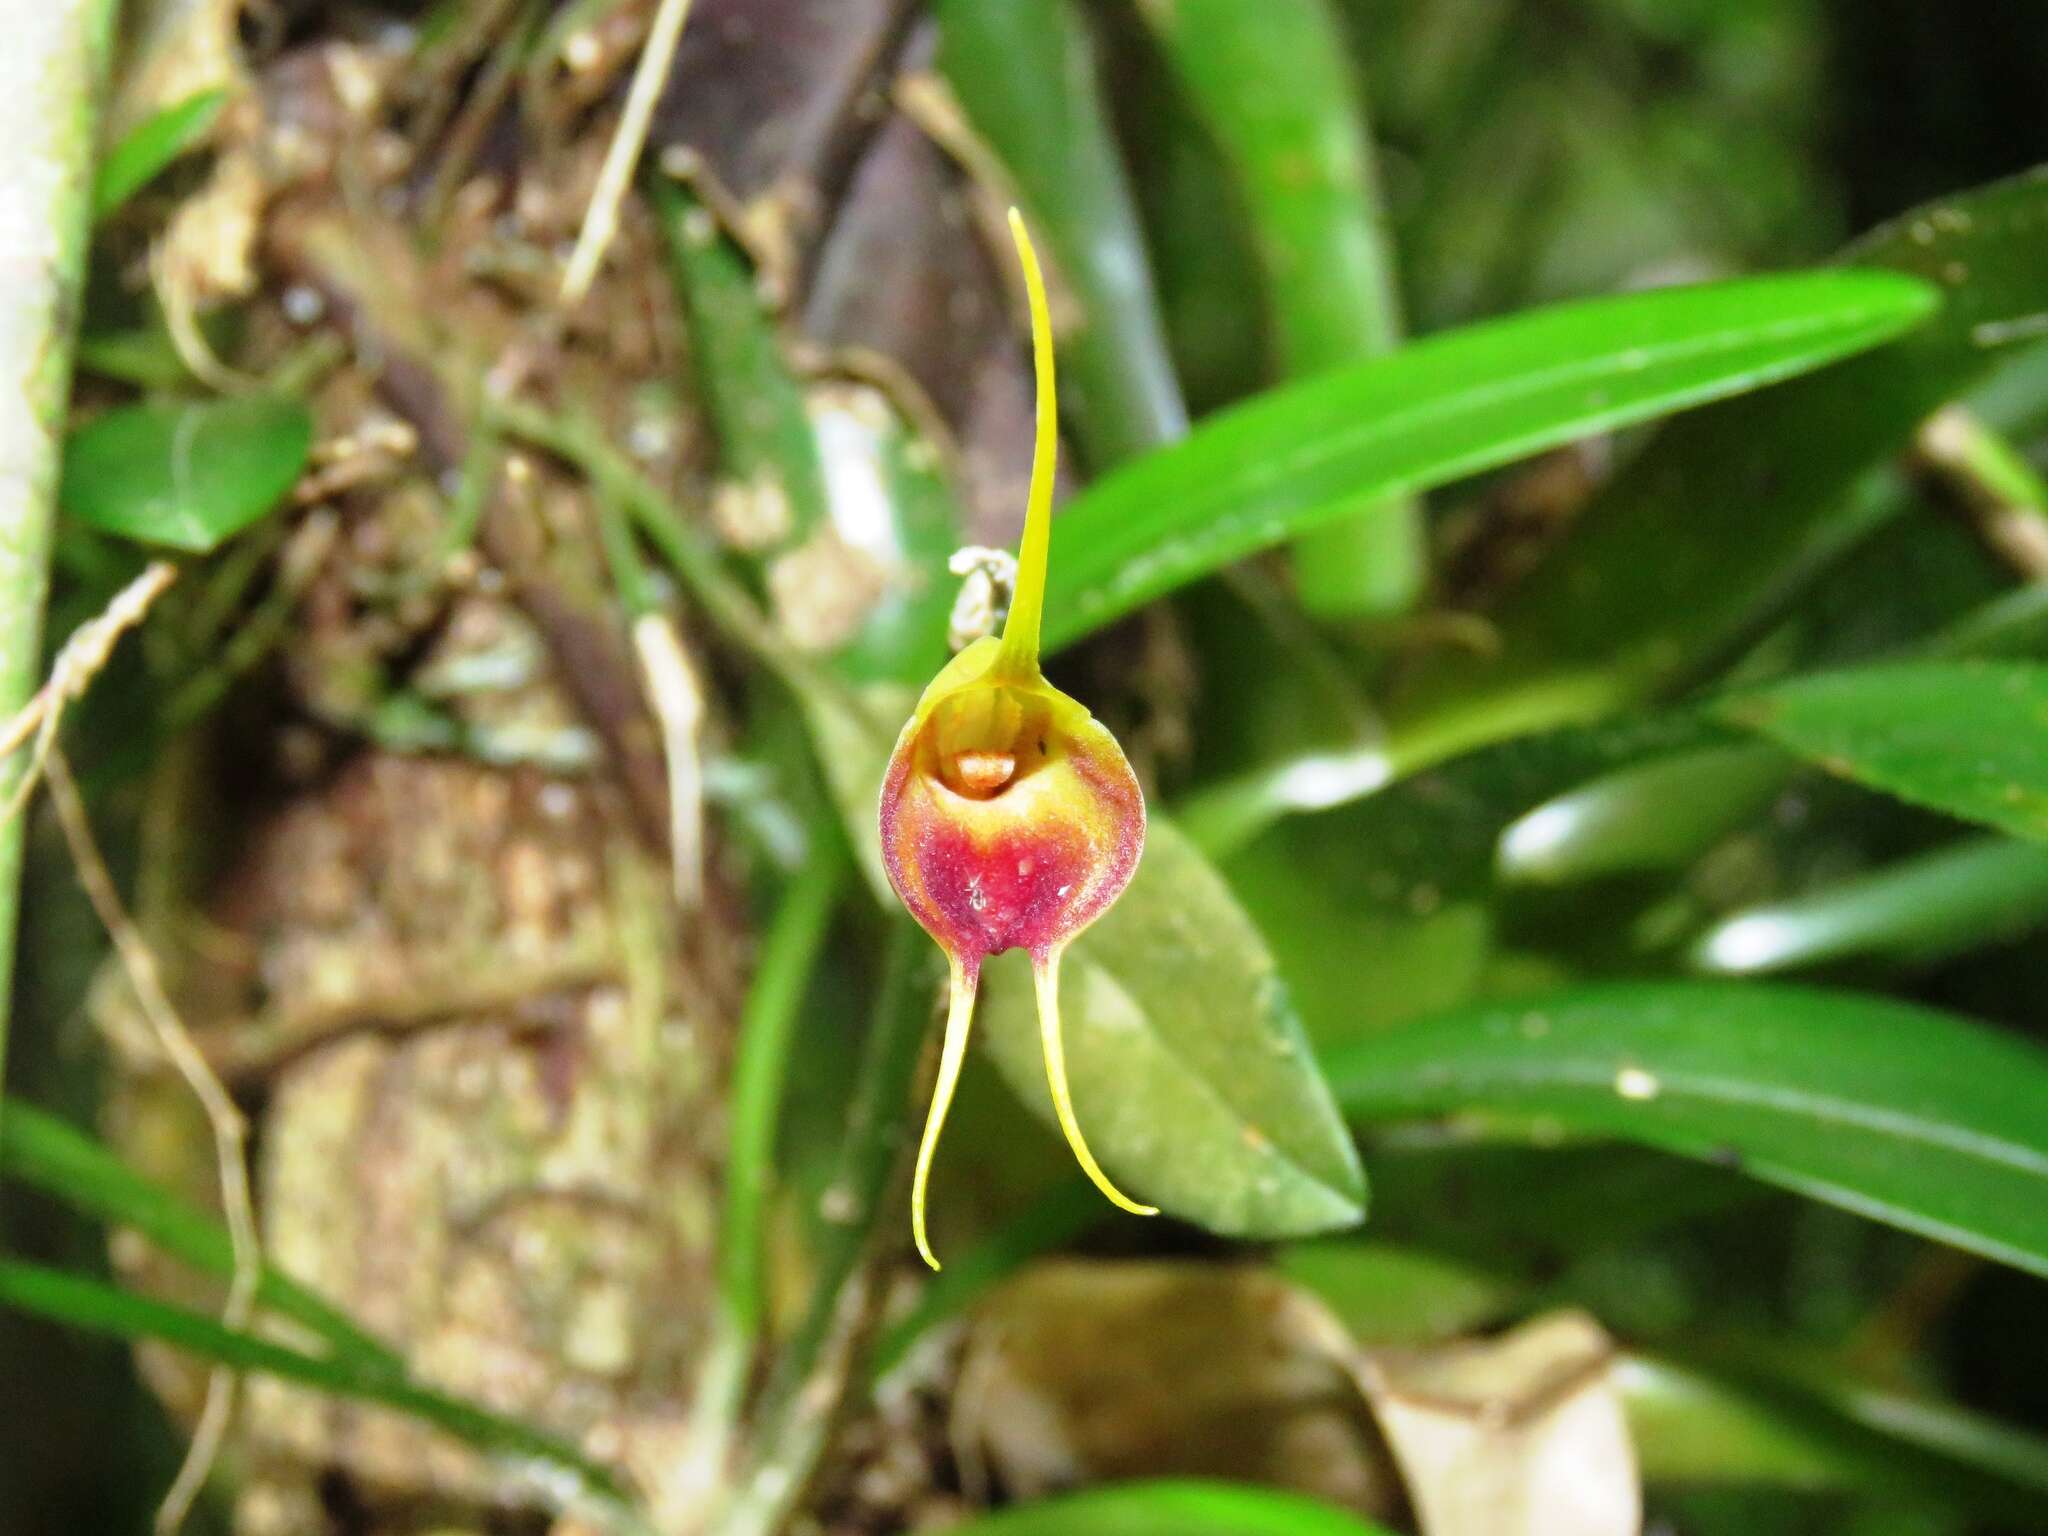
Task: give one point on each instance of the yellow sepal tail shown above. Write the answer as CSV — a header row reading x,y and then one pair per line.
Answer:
x,y
1046,972
952,1055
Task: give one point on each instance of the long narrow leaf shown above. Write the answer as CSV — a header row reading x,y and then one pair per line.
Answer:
x,y
1452,405
42,1151
1715,525
1173,1508
97,1307
1967,738
1912,1117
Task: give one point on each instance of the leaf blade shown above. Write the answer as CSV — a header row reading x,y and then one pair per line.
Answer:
x,y
187,476
1189,1067
96,1307
1966,738
1303,456
1175,1507
1776,488
149,148
1911,1117
48,1154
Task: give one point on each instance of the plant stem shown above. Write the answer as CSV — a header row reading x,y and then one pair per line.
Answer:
x,y
761,1070
1274,84
1025,73
824,1356
51,71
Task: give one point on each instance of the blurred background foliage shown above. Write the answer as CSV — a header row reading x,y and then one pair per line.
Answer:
x,y
1487,788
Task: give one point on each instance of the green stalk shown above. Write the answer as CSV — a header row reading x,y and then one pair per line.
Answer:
x,y
825,1355
1025,72
51,72
761,1071
1274,84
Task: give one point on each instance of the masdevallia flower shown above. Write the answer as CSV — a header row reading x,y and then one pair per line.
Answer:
x,y
1010,818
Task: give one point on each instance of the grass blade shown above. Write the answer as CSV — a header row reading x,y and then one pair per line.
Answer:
x,y
45,1153
96,1307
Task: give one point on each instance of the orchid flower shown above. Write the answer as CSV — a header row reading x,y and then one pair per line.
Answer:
x,y
1010,818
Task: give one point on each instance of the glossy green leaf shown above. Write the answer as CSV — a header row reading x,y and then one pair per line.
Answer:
x,y
1382,910
1654,815
1172,1508
1451,405
832,462
97,1307
1190,1071
1025,72
185,476
1966,738
890,501
1714,524
45,1153
1920,1119
1977,891
148,149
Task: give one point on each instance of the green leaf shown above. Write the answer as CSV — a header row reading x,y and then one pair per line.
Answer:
x,y
1385,1294
148,149
1908,1116
765,445
45,1153
1172,1508
186,476
1295,458
1966,738
833,463
1727,513
1653,815
1190,1072
96,1307
1753,1419
1383,910
1976,891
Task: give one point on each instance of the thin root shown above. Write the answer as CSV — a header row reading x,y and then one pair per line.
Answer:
x,y
230,1131
613,177
77,664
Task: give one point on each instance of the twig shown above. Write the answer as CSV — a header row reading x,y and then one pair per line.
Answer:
x,y
77,664
2001,495
230,1131
676,695
616,174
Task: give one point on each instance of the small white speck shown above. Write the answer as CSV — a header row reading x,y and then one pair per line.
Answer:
x,y
1635,1084
303,304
